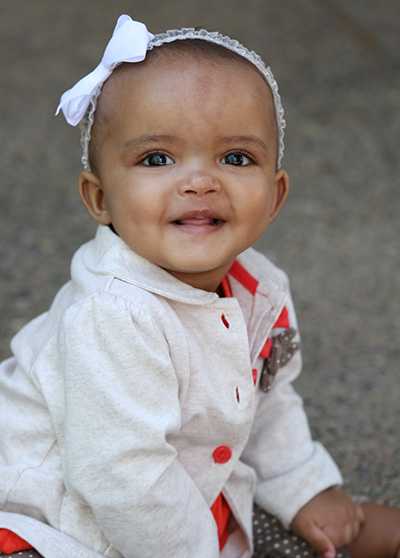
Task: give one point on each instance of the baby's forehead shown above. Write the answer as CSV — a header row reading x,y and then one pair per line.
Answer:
x,y
174,65
193,68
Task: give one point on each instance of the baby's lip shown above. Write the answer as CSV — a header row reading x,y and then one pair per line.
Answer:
x,y
199,216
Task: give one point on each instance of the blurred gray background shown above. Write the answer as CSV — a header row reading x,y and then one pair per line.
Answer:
x,y
337,63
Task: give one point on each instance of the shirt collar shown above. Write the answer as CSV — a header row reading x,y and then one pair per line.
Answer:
x,y
107,254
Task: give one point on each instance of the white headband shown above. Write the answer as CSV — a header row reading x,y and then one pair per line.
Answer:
x,y
129,43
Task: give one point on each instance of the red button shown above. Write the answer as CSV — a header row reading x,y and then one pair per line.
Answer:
x,y
254,373
225,321
222,454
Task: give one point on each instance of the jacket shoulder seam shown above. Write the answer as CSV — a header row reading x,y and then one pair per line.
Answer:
x,y
78,304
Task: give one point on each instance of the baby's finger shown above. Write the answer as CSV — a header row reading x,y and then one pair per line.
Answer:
x,y
355,530
360,514
321,542
340,536
356,521
357,524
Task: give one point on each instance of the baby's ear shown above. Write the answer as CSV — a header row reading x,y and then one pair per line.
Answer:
x,y
92,195
281,192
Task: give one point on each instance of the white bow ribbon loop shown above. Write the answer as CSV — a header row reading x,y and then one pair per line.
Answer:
x,y
128,44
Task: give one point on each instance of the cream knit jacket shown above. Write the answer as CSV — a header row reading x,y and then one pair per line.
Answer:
x,y
116,399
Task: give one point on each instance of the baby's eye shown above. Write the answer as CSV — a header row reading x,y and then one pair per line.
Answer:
x,y
237,158
157,160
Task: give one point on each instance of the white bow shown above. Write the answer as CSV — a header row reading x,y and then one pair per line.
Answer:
x,y
127,44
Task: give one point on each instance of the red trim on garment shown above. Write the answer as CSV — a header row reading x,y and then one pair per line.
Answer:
x,y
221,512
283,319
266,350
281,322
10,542
244,277
226,287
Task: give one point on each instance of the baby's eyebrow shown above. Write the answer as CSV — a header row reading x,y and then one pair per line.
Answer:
x,y
149,139
244,139
146,140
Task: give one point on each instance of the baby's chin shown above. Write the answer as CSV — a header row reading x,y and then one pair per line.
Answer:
x,y
201,275
196,265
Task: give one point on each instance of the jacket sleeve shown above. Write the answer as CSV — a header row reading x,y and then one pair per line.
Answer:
x,y
291,468
121,404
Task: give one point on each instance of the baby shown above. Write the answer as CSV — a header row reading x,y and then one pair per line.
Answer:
x,y
151,406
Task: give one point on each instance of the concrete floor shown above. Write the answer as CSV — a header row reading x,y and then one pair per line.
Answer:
x,y
338,66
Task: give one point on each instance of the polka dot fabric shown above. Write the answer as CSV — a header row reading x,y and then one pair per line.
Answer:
x,y
271,540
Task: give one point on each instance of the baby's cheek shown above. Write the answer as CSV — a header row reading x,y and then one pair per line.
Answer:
x,y
259,211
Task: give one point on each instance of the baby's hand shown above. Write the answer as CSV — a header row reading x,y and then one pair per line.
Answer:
x,y
328,521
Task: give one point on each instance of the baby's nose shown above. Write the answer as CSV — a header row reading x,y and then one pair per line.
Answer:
x,y
200,184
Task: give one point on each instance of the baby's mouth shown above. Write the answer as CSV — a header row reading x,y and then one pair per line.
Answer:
x,y
199,222
202,220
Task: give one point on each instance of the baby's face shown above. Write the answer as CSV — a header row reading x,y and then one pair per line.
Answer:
x,y
186,171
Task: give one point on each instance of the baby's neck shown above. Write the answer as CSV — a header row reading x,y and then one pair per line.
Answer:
x,y
206,281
